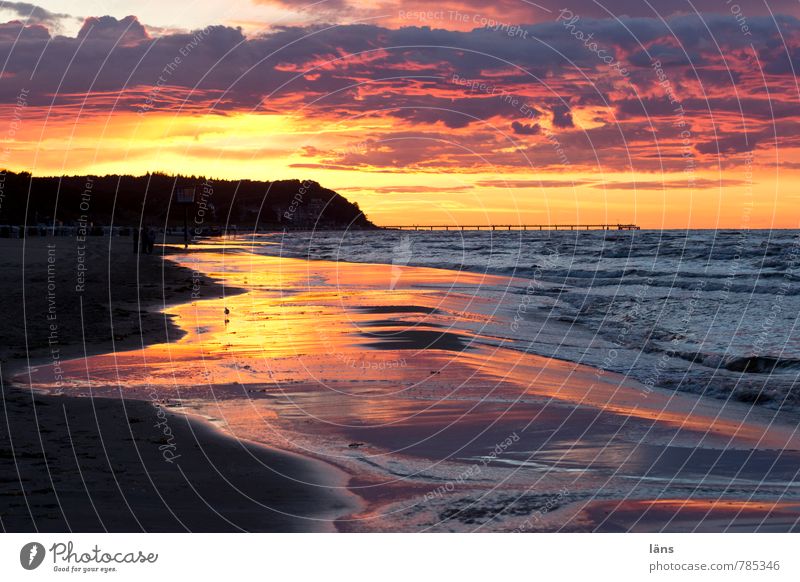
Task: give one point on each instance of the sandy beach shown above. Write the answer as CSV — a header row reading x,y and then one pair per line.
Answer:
x,y
396,385
116,463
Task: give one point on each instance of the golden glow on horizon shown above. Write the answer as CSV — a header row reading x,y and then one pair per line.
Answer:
x,y
270,146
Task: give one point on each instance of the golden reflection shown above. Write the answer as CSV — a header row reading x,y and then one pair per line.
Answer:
x,y
311,328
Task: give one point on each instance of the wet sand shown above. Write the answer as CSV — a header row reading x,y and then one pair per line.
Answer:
x,y
402,378
97,464
117,463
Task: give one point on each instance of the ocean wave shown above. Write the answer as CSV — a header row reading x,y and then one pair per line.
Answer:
x,y
631,290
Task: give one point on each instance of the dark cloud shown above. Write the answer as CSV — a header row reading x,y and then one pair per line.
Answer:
x,y
562,117
108,29
33,14
17,32
404,75
765,108
249,68
730,144
526,129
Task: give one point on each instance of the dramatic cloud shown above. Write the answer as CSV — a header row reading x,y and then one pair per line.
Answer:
x,y
644,94
33,14
108,30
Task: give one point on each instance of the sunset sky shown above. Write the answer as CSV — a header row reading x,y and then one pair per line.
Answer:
x,y
667,114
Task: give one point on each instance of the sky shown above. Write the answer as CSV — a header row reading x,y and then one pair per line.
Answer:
x,y
668,114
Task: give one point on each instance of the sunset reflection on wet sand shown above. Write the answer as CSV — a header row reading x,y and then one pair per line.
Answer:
x,y
404,378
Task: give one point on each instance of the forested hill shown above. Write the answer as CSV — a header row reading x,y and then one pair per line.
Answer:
x,y
152,199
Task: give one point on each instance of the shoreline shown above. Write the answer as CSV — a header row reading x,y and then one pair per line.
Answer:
x,y
718,367
98,463
242,377
357,405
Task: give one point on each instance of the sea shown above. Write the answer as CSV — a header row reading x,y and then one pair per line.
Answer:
x,y
711,312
